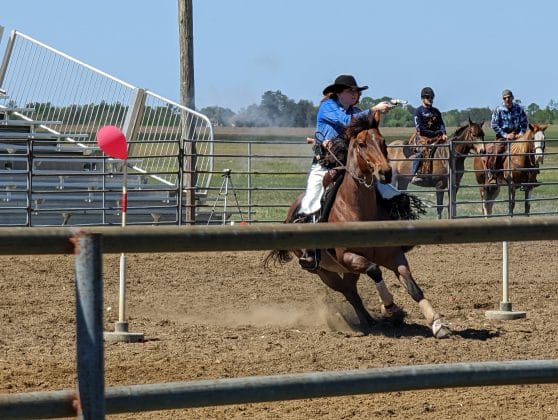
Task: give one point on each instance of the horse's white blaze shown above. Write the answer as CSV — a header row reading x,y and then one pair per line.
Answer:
x,y
539,146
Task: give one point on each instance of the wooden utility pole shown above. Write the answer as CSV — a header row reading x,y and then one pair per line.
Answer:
x,y
186,34
187,98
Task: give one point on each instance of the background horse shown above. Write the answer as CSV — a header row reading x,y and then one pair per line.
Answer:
x,y
524,156
468,137
356,200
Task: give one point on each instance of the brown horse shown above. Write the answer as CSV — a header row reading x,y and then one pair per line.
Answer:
x,y
356,200
524,156
466,138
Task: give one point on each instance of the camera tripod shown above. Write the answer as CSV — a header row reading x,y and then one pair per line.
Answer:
x,y
226,186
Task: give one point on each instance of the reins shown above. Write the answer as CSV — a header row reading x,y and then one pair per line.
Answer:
x,y
464,142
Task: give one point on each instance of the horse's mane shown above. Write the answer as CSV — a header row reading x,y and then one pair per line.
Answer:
x,y
403,206
524,144
359,124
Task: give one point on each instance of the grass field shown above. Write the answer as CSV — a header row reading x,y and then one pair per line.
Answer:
x,y
269,168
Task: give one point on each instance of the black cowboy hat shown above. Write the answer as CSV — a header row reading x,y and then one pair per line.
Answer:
x,y
343,82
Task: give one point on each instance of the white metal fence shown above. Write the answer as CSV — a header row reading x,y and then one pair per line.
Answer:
x,y
63,95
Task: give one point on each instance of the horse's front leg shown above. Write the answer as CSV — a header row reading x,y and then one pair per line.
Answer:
x,y
433,318
485,211
511,204
348,287
360,264
439,202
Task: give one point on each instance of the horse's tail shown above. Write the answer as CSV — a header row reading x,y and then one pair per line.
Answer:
x,y
277,257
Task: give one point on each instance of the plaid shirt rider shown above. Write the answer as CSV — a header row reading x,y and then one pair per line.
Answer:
x,y
513,120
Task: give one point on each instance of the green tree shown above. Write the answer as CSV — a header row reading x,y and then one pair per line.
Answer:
x,y
304,114
531,109
219,116
277,108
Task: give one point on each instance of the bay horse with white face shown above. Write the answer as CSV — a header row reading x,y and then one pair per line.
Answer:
x,y
466,138
356,200
525,154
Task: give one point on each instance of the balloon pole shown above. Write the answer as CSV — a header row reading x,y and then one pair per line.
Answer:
x,y
112,141
122,293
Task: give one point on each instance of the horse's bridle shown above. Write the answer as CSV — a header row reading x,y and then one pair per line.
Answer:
x,y
542,141
467,140
356,177
360,180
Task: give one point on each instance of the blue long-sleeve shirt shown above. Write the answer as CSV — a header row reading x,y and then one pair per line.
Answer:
x,y
513,120
429,122
333,118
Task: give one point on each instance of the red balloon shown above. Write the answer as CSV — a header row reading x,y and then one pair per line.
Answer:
x,y
112,141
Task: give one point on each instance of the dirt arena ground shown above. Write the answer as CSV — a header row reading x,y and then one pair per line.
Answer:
x,y
217,315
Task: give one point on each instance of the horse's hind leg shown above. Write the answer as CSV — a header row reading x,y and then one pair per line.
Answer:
x,y
488,195
347,286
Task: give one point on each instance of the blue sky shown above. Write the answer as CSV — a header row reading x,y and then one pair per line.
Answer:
x,y
468,51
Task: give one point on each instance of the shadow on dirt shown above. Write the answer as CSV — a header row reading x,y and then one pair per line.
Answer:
x,y
419,330
340,316
403,330
472,334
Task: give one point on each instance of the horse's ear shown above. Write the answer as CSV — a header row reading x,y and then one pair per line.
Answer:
x,y
374,119
481,123
470,122
531,127
543,127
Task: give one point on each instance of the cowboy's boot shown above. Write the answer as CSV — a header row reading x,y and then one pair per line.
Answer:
x,y
309,259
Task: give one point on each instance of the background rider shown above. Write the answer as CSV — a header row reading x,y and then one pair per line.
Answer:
x,y
430,128
509,122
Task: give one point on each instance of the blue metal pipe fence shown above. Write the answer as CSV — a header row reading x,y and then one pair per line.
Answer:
x,y
91,400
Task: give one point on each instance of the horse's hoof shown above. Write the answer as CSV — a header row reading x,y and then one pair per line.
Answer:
x,y
440,330
393,313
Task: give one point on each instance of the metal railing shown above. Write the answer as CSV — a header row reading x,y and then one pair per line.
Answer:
x,y
44,181
541,200
68,96
465,201
92,401
174,147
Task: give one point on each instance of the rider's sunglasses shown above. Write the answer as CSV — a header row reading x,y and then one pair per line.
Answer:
x,y
507,97
427,97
